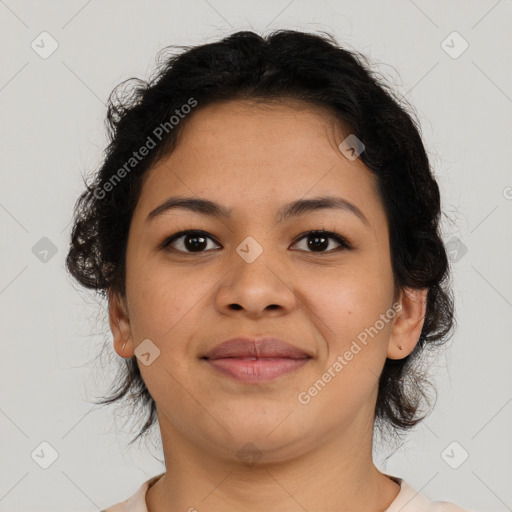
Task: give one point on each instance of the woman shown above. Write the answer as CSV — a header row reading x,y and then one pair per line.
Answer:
x,y
265,227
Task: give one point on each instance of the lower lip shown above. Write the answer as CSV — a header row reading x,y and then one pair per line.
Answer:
x,y
256,370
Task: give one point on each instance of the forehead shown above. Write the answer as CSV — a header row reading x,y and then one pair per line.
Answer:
x,y
246,155
282,124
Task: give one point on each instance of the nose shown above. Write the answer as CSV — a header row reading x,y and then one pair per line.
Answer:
x,y
255,288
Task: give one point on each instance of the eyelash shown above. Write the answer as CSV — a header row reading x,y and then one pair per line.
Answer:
x,y
344,243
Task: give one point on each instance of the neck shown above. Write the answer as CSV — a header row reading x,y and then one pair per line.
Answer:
x,y
336,476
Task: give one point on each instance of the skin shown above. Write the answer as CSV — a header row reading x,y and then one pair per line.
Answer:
x,y
315,456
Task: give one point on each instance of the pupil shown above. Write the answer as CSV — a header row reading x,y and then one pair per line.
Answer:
x,y
195,246
313,245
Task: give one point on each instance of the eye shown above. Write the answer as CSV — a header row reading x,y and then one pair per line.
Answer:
x,y
319,240
192,241
196,241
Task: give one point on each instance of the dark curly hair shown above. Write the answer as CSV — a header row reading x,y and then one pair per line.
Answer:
x,y
285,65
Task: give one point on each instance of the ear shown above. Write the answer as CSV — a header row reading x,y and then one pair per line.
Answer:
x,y
407,323
120,325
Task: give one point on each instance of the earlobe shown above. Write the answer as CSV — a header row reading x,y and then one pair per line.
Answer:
x,y
120,325
408,323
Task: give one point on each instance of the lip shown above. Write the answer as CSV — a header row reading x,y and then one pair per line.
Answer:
x,y
260,347
256,359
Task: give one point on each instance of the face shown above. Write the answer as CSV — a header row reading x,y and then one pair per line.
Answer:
x,y
257,273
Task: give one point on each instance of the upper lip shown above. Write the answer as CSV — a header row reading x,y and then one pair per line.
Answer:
x,y
256,347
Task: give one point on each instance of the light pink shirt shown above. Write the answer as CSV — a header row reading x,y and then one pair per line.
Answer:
x,y
407,500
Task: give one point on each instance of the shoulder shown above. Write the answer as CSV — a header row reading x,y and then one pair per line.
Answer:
x,y
445,506
410,500
136,502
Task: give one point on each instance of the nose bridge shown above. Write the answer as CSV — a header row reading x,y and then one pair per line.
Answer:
x,y
254,282
254,257
255,238
250,250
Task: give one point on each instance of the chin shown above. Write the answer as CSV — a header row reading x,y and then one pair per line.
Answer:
x,y
267,440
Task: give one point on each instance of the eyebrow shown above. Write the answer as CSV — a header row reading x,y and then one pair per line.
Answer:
x,y
293,209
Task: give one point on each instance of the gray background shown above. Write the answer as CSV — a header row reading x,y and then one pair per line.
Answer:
x,y
52,132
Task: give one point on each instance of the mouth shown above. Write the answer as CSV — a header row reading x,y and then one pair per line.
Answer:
x,y
254,370
255,360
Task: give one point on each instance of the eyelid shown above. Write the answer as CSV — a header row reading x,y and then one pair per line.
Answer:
x,y
172,238
343,241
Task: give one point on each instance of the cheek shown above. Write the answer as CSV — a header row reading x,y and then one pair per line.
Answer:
x,y
353,349
165,308
348,302
161,299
